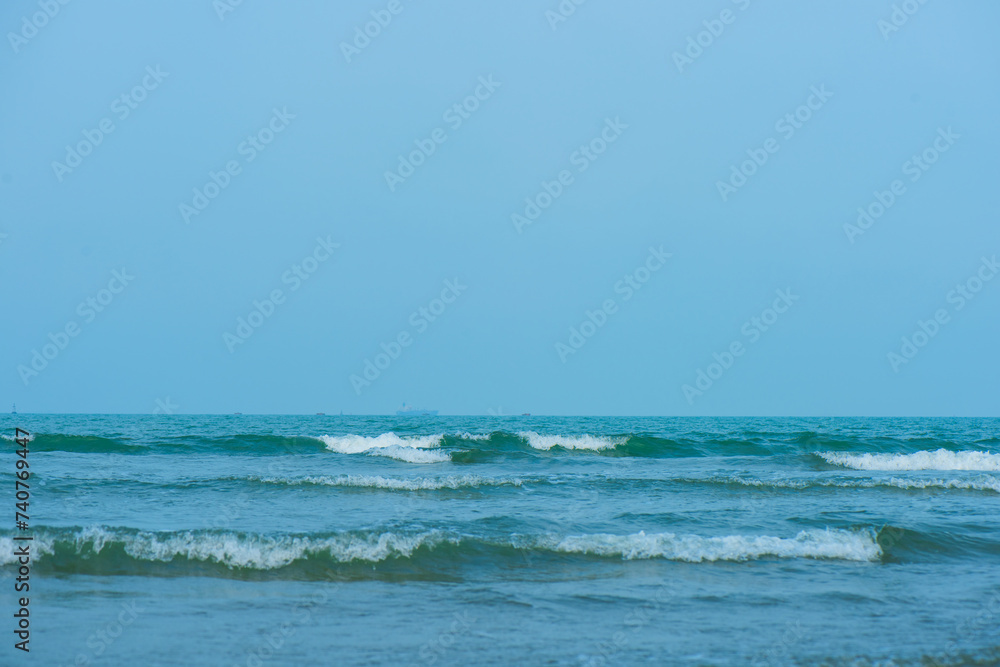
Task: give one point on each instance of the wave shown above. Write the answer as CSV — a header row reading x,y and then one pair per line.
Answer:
x,y
264,444
941,459
591,442
465,435
99,546
453,482
412,449
983,483
127,551
600,483
471,447
82,444
460,446
30,437
834,544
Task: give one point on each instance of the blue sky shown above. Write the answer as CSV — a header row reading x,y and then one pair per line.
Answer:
x,y
614,122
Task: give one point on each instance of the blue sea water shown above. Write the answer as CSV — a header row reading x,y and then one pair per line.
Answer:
x,y
292,540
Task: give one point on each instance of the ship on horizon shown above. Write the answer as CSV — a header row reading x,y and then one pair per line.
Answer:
x,y
407,411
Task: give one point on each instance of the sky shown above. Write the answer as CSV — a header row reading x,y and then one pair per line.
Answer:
x,y
626,208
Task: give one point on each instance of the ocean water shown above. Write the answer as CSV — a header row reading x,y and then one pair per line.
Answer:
x,y
291,540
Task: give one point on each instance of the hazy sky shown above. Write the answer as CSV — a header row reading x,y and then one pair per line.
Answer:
x,y
298,133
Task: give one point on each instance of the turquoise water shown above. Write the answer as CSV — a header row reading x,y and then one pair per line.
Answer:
x,y
272,540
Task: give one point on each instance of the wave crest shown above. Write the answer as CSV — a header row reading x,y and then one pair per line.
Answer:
x,y
834,544
412,449
982,483
102,550
591,442
941,459
396,484
229,549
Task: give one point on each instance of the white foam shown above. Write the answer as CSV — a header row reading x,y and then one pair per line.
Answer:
x,y
941,459
266,552
40,546
357,444
984,483
465,435
591,442
413,449
20,437
235,550
774,483
837,544
412,484
412,455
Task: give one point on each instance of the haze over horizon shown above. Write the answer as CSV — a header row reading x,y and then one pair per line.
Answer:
x,y
562,217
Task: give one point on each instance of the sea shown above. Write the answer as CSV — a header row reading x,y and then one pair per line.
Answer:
x,y
369,540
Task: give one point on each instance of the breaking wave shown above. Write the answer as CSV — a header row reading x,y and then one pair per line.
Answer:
x,y
941,459
591,442
454,482
127,551
412,449
836,544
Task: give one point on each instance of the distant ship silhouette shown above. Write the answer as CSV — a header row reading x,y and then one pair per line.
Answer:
x,y
407,411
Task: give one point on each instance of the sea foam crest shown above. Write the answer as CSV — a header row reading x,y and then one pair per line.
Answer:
x,y
983,483
831,543
413,449
40,546
590,442
465,435
941,459
259,552
396,484
267,553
